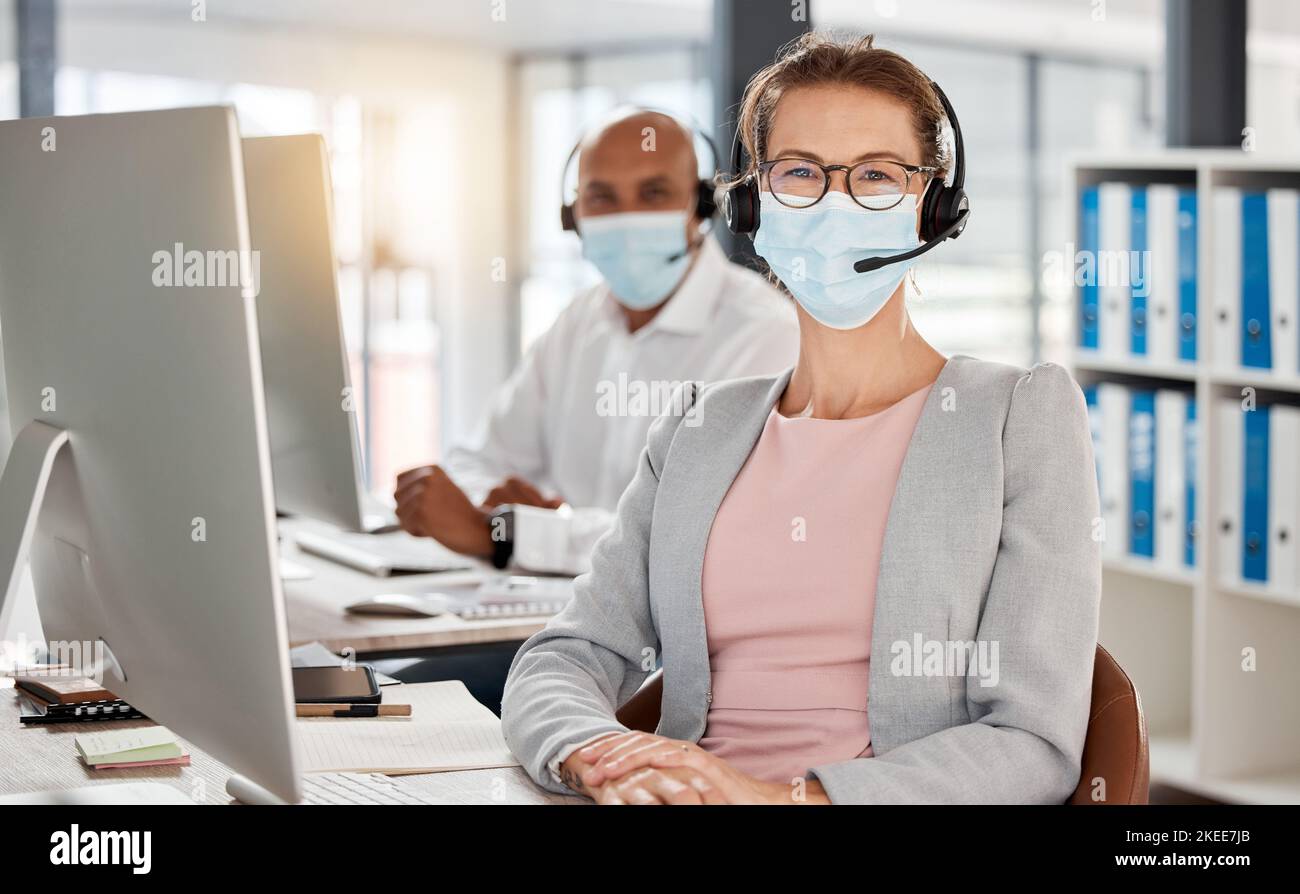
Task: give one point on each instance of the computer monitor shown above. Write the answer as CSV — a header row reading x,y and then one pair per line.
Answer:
x,y
136,399
311,407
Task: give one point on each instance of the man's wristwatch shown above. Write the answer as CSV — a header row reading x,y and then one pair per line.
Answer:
x,y
501,528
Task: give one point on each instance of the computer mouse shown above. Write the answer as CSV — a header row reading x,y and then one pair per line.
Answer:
x,y
409,605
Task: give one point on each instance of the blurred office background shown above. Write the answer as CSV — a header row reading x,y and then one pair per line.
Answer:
x,y
448,122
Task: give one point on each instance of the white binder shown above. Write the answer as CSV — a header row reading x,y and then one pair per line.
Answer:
x,y
1283,496
1170,480
1162,273
1113,405
1284,278
1230,433
1224,322
1114,304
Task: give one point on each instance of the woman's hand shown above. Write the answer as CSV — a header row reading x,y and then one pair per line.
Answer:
x,y
648,785
651,785
627,756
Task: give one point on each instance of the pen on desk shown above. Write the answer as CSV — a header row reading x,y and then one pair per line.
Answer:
x,y
347,710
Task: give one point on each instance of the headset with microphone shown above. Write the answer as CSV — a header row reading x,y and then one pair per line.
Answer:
x,y
706,203
944,209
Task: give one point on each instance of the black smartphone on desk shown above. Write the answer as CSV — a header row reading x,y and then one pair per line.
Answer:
x,y
325,685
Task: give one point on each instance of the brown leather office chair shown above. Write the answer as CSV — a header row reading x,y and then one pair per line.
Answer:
x,y
1115,749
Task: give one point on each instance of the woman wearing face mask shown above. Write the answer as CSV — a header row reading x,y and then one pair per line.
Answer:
x,y
873,578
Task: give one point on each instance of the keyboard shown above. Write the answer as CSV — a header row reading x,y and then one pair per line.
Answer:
x,y
334,788
382,554
512,595
360,788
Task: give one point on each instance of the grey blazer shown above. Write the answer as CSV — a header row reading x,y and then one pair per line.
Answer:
x,y
991,542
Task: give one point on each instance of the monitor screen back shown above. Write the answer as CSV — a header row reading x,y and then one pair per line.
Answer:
x,y
311,407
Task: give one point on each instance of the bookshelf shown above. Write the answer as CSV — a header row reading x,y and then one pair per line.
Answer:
x,y
1216,729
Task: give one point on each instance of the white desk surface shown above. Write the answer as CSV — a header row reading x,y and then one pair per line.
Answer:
x,y
41,757
315,609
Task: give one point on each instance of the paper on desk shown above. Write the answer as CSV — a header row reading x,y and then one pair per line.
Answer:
x,y
447,730
447,700
128,746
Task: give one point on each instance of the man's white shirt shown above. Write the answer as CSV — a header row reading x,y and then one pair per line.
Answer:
x,y
573,417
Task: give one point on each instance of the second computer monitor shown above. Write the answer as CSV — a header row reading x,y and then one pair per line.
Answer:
x,y
311,407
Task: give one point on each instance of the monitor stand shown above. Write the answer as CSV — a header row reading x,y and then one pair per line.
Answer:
x,y
246,791
22,491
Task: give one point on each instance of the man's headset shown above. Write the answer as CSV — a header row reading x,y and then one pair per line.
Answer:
x,y
706,203
944,209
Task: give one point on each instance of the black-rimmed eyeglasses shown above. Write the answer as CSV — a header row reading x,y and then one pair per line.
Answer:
x,y
876,185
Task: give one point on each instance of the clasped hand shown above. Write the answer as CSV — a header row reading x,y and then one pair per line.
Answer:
x,y
642,768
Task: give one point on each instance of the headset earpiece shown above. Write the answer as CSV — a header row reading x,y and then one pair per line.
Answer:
x,y
941,207
952,208
740,206
945,206
568,222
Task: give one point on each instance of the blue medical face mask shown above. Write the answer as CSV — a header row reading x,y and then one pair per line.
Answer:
x,y
642,255
813,250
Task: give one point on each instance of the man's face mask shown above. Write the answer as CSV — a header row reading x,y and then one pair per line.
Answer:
x,y
642,255
813,250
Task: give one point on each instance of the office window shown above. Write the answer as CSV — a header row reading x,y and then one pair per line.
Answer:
x,y
8,61
383,224
8,88
8,109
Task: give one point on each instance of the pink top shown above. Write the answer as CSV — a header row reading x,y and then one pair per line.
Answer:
x,y
789,587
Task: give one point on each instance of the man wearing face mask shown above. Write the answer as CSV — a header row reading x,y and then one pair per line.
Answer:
x,y
564,434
